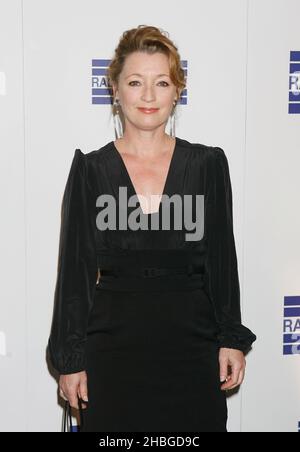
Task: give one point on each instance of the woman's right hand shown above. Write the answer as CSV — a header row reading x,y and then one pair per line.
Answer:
x,y
73,386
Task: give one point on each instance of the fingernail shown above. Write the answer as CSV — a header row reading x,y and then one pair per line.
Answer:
x,y
85,399
222,379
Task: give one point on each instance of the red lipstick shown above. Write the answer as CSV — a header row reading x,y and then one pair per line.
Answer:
x,y
148,110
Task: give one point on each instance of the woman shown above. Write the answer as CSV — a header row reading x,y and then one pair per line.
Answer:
x,y
147,326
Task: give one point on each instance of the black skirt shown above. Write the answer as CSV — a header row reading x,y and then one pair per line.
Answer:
x,y
151,362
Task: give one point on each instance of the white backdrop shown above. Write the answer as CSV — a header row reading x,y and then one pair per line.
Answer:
x,y
238,62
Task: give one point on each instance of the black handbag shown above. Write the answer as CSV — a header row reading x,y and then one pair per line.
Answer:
x,y
67,424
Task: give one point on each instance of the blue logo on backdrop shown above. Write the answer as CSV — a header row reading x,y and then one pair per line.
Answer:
x,y
291,326
299,427
102,91
294,83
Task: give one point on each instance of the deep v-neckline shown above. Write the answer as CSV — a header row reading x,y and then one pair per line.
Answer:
x,y
167,178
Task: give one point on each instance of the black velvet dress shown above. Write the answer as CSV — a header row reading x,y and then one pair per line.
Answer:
x,y
148,331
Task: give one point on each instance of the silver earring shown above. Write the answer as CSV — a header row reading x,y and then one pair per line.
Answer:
x,y
172,120
118,126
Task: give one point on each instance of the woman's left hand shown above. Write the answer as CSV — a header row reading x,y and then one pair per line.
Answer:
x,y
232,367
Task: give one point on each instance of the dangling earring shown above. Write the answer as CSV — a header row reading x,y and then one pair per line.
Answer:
x,y
172,120
118,126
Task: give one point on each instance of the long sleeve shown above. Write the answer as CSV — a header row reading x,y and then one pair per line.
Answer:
x,y
221,262
77,272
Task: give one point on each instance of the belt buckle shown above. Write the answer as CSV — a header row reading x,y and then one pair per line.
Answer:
x,y
150,272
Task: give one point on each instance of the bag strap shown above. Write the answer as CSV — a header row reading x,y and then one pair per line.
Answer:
x,y
67,416
80,413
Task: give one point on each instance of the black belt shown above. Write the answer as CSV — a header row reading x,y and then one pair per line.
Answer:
x,y
145,270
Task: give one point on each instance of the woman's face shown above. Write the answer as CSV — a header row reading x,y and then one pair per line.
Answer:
x,y
149,89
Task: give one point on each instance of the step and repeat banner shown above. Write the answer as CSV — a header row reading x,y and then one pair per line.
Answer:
x,y
242,65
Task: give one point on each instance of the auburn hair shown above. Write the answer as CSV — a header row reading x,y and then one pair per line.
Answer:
x,y
149,39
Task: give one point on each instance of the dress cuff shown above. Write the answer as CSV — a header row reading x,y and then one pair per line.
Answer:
x,y
237,337
67,363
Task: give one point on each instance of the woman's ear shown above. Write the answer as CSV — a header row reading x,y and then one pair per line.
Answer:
x,y
114,90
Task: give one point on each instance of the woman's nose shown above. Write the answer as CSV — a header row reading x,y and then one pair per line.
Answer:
x,y
148,94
